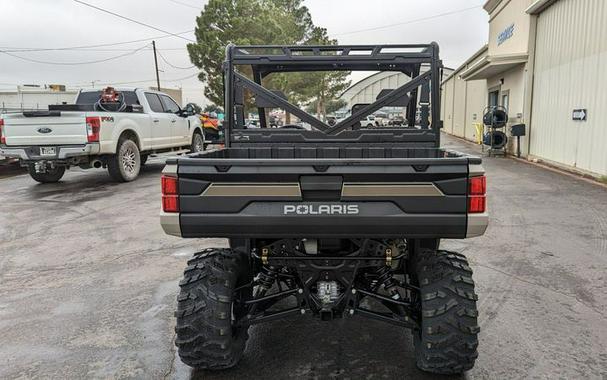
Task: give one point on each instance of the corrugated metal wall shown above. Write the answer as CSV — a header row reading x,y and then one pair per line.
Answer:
x,y
459,105
476,100
448,106
462,106
571,73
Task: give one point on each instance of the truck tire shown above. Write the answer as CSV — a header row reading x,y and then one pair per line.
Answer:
x,y
207,337
124,166
198,144
447,342
51,176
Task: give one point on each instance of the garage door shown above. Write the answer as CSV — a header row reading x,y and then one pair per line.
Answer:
x,y
571,74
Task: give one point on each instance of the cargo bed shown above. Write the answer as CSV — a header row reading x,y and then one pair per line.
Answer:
x,y
323,192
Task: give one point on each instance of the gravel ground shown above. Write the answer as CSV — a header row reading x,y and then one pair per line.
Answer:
x,y
88,283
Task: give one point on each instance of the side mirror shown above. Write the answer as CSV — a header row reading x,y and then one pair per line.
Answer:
x,y
188,110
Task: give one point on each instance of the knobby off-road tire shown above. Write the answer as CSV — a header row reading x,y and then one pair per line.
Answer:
x,y
207,337
447,342
51,176
124,166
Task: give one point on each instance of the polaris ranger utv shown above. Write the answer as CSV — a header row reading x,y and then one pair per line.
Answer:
x,y
334,221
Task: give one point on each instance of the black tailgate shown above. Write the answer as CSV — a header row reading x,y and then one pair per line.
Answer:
x,y
384,197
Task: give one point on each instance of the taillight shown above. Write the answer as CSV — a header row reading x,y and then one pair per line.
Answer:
x,y
477,204
170,194
93,127
2,137
169,185
477,200
477,185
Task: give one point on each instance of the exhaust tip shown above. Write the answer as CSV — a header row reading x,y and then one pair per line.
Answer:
x,y
96,164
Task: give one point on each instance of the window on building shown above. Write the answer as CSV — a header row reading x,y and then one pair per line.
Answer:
x,y
494,98
506,100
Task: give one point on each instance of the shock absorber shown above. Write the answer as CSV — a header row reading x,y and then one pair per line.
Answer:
x,y
384,277
266,278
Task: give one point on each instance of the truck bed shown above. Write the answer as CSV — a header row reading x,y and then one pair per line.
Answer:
x,y
323,192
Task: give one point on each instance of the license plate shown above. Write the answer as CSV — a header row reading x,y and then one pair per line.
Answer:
x,y
48,151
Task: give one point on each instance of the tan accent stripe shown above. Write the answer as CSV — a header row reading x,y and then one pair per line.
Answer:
x,y
249,189
170,170
390,190
170,223
476,170
477,224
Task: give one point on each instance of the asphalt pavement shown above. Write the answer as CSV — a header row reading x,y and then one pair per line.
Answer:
x,y
88,283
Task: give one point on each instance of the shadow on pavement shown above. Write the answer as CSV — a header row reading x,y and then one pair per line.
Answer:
x,y
10,168
306,348
89,184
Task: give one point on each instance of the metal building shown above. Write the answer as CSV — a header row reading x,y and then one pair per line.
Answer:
x,y
38,97
546,62
34,97
366,90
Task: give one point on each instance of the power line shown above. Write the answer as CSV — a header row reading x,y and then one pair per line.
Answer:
x,y
180,79
34,50
186,4
16,49
138,81
173,66
169,34
74,63
132,20
405,22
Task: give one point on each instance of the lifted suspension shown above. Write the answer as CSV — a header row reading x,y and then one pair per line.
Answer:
x,y
329,283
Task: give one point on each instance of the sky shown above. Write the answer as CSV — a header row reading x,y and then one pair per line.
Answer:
x,y
50,24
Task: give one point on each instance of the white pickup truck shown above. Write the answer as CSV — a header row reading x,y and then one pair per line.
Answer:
x,y
85,135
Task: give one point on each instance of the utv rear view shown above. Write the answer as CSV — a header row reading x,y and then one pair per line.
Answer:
x,y
336,221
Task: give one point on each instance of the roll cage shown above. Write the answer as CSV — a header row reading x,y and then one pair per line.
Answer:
x,y
421,94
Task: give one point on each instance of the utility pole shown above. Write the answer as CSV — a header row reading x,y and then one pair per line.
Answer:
x,y
156,65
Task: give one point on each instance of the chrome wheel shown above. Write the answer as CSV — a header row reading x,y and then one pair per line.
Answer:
x,y
128,160
198,143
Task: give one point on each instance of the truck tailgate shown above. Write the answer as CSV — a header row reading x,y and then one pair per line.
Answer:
x,y
387,195
66,129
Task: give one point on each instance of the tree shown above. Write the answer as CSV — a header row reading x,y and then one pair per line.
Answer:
x,y
335,105
260,22
325,86
330,107
244,22
212,108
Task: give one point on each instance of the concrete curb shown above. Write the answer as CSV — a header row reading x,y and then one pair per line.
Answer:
x,y
557,169
544,165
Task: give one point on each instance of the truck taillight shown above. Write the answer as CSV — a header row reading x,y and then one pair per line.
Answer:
x,y
2,137
477,200
477,185
477,204
170,194
93,127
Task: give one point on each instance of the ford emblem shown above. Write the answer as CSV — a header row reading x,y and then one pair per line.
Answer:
x,y
44,130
